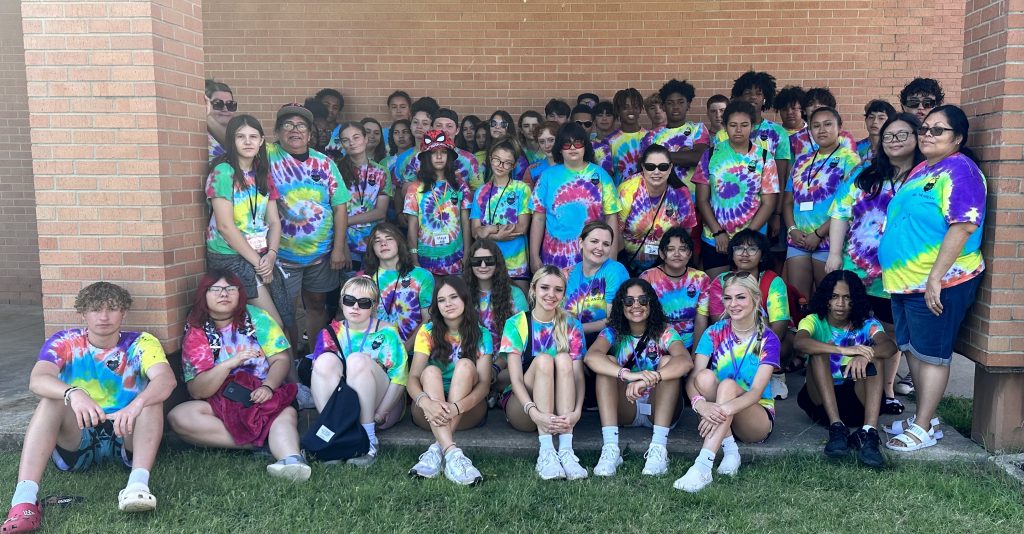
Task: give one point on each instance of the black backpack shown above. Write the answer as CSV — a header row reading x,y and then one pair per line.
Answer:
x,y
336,433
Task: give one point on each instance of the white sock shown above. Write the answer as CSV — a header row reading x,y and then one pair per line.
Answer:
x,y
26,492
729,446
660,436
139,477
547,442
867,427
565,442
705,461
610,435
371,432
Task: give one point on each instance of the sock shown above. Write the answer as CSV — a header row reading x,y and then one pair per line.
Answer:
x,y
729,446
451,451
565,442
705,461
26,492
139,478
292,459
865,428
546,442
660,436
610,435
371,432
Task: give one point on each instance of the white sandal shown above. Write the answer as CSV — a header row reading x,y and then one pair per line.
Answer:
x,y
912,439
135,500
899,426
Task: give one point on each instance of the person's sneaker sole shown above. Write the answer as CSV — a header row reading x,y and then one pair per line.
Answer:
x,y
293,472
363,461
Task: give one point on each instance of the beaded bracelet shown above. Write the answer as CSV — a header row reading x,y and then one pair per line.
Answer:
x,y
526,408
693,401
621,371
422,394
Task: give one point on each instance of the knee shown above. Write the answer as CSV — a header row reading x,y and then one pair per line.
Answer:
x,y
327,365
706,381
545,364
358,363
178,418
729,386
464,366
430,375
563,362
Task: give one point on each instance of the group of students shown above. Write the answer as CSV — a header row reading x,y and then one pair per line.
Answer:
x,y
534,275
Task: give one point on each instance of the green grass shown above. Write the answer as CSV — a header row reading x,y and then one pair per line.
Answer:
x,y
213,491
957,413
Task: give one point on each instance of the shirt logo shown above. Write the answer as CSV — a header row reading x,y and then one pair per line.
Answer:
x,y
686,132
405,282
113,361
751,167
764,136
833,164
376,343
691,292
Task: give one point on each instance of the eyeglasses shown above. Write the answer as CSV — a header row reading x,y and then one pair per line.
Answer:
x,y
934,130
350,301
896,137
745,250
502,163
585,124
222,290
663,167
219,104
573,145
498,123
642,300
296,126
483,261
914,103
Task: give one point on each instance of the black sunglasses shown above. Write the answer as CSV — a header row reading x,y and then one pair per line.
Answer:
x,y
496,123
219,104
585,124
934,130
736,274
914,103
483,261
350,301
663,167
642,300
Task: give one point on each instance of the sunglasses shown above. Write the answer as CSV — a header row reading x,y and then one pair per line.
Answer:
x,y
483,261
642,300
574,145
736,274
585,124
350,301
219,104
934,130
496,123
927,103
663,167
896,136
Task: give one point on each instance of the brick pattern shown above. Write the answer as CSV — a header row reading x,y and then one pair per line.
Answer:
x,y
116,109
19,261
515,55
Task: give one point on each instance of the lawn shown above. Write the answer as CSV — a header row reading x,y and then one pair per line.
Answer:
x,y
212,491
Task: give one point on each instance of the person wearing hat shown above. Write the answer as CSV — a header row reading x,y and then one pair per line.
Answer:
x,y
437,208
314,215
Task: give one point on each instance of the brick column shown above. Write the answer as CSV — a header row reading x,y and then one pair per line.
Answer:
x,y
118,146
994,337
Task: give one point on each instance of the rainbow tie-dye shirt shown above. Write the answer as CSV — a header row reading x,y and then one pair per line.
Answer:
x,y
439,212
814,181
918,217
404,301
603,157
215,149
500,205
249,208
644,215
864,151
398,167
569,200
384,345
626,153
648,359
682,298
774,305
197,355
371,182
534,171
821,331
737,182
802,142
682,137
739,360
424,343
309,192
587,297
112,377
519,304
513,337
769,135
866,216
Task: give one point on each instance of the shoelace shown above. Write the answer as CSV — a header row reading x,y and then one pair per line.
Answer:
x,y
461,463
658,452
607,455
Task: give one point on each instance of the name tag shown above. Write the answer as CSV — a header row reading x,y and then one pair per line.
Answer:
x,y
643,407
257,242
651,249
443,239
807,205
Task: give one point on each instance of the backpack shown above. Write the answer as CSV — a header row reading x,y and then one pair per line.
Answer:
x,y
336,433
797,302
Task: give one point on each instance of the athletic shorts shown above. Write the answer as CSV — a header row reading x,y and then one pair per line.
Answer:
x,y
97,445
817,255
315,278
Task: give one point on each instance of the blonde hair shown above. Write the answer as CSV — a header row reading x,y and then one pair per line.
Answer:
x,y
750,284
561,330
364,283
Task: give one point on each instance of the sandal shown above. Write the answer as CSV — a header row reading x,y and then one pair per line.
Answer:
x,y
892,406
913,439
899,426
24,517
136,500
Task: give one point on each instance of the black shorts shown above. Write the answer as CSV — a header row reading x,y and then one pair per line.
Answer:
x,y
851,410
881,308
712,259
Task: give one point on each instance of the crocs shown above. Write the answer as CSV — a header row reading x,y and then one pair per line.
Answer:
x,y
24,517
135,500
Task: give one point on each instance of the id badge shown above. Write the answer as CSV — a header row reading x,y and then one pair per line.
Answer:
x,y
643,407
442,239
807,205
258,242
651,249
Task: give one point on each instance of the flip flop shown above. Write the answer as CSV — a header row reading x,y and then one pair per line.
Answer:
x,y
24,517
913,439
135,500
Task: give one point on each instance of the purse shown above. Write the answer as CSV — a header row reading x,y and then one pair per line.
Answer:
x,y
336,433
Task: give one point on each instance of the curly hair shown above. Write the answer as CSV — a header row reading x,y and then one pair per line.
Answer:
x,y
561,331
656,322
860,308
501,283
760,80
923,86
98,295
789,95
675,86
469,328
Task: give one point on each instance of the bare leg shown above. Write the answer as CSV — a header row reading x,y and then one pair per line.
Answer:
x,y
369,382
464,379
821,375
433,385
325,379
283,438
145,441
664,402
316,312
52,424
869,391
929,384
514,409
195,422
799,274
818,268
565,385
727,390
610,396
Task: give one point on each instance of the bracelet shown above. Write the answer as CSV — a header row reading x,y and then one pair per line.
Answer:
x,y
458,411
659,376
619,376
274,250
791,228
68,392
526,408
414,251
819,236
422,394
268,387
718,233
693,401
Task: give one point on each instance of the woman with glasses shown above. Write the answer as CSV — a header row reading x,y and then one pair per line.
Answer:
x,y
652,202
931,261
501,125
592,282
230,345
220,108
374,357
405,289
729,386
639,360
367,183
858,218
501,211
684,291
545,140
528,123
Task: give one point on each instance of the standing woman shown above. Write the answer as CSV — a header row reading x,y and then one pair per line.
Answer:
x,y
376,148
449,379
437,208
652,202
528,123
931,260
544,349
482,136
220,109
367,183
467,135
729,386
592,283
683,290
244,234
501,211
639,361
405,289
545,140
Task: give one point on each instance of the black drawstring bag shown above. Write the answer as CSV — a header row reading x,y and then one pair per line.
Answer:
x,y
336,433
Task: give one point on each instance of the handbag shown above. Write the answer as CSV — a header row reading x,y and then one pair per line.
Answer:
x,y
336,433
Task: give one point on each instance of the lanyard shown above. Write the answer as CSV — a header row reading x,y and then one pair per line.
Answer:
x,y
492,209
253,203
388,303
348,337
444,193
823,162
361,178
746,352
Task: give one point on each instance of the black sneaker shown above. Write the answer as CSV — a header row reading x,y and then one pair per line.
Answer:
x,y
838,436
868,444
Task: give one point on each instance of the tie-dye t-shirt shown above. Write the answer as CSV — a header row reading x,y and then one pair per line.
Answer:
x,y
651,216
648,359
519,304
499,205
821,331
398,166
682,137
626,153
405,300
774,305
603,157
309,192
864,151
467,169
333,148
737,182
197,355
372,181
588,297
814,181
533,156
112,377
536,169
249,207
569,200
918,217
513,337
215,149
768,135
802,142
424,344
866,216
682,298
383,345
439,212
739,360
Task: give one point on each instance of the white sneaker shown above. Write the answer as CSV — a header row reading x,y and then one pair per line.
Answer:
x,y
657,460
730,465
610,460
304,398
548,465
778,385
296,471
460,470
430,463
571,465
693,481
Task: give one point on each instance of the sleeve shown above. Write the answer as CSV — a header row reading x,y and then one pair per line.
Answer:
x,y
272,193
519,302
784,150
700,175
151,352
686,203
872,326
609,335
412,204
668,337
778,301
196,356
475,210
426,282
57,349
703,295
770,350
387,188
466,198
324,343
702,137
964,200
539,190
486,343
220,183
705,346
609,196
395,357
339,193
513,335
577,345
617,275
627,192
808,324
525,204
715,305
268,332
423,342
770,176
842,205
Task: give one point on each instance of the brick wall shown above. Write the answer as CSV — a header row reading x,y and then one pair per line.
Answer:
x,y
516,54
19,259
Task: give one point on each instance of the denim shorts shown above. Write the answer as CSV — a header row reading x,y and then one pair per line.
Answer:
x,y
817,255
924,336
